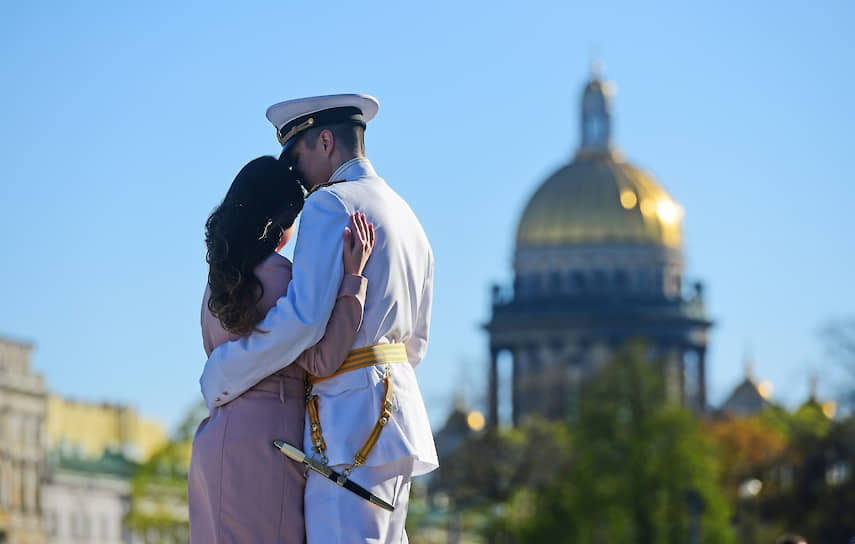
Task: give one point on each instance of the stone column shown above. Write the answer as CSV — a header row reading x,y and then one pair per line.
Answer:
x,y
702,379
493,385
516,408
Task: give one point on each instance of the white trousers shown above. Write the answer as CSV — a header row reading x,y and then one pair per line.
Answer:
x,y
335,515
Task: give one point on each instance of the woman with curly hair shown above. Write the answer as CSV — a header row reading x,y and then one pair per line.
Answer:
x,y
240,489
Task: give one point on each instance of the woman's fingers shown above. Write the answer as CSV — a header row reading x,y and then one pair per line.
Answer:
x,y
368,235
354,226
368,231
363,228
362,234
360,221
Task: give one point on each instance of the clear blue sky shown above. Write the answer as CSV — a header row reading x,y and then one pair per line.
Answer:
x,y
123,126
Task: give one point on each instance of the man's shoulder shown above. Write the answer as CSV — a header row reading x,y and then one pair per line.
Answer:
x,y
370,187
323,200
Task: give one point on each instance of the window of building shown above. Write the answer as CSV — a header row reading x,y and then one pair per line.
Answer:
x,y
556,283
530,284
600,280
642,281
578,282
621,280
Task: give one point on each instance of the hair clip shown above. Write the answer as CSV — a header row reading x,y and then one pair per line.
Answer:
x,y
267,226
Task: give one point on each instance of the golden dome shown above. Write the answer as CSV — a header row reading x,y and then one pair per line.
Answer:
x,y
599,199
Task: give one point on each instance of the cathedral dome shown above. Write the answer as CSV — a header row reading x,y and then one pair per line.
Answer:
x,y
598,198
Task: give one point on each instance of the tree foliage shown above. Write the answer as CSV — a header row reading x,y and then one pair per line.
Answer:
x,y
639,469
489,467
158,512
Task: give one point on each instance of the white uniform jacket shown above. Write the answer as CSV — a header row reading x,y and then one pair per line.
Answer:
x,y
397,309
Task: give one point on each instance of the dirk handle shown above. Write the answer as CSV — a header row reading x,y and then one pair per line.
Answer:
x,y
300,457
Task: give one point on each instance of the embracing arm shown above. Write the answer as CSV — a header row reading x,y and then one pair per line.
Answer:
x,y
324,358
299,318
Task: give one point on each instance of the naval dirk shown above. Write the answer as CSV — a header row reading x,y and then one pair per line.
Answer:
x,y
326,471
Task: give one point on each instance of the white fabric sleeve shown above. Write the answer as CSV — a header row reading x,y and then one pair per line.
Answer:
x,y
298,319
417,344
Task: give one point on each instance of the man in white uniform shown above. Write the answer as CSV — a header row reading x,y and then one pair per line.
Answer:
x,y
322,137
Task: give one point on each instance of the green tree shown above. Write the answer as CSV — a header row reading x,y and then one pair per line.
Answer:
x,y
158,512
489,467
640,469
746,448
819,498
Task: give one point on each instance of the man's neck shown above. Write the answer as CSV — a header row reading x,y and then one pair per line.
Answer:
x,y
330,179
349,159
343,159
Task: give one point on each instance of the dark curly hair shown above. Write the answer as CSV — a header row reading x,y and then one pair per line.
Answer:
x,y
262,202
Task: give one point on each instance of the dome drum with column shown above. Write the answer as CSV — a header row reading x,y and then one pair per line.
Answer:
x,y
610,270
598,261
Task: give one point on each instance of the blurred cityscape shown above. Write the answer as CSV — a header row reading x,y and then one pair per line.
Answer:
x,y
596,428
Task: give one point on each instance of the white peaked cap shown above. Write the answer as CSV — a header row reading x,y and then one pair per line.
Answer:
x,y
293,117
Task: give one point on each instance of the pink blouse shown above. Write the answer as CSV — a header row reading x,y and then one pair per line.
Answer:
x,y
326,356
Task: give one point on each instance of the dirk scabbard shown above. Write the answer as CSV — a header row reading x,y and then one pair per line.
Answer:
x,y
339,479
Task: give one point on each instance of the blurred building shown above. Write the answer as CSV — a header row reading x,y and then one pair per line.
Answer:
x,y
90,429
22,448
748,398
87,500
598,262
827,408
94,451
752,397
459,425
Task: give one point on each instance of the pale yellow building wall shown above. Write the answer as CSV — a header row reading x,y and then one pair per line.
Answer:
x,y
151,436
92,428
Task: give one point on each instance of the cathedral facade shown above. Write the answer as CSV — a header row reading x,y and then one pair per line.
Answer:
x,y
598,262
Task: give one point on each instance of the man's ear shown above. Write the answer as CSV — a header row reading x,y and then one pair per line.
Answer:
x,y
327,141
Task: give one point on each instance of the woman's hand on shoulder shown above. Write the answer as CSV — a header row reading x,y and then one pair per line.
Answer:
x,y
358,243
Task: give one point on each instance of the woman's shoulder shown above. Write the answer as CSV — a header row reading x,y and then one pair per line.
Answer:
x,y
277,260
274,273
275,265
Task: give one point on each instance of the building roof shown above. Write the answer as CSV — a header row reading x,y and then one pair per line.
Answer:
x,y
109,464
599,199
747,399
